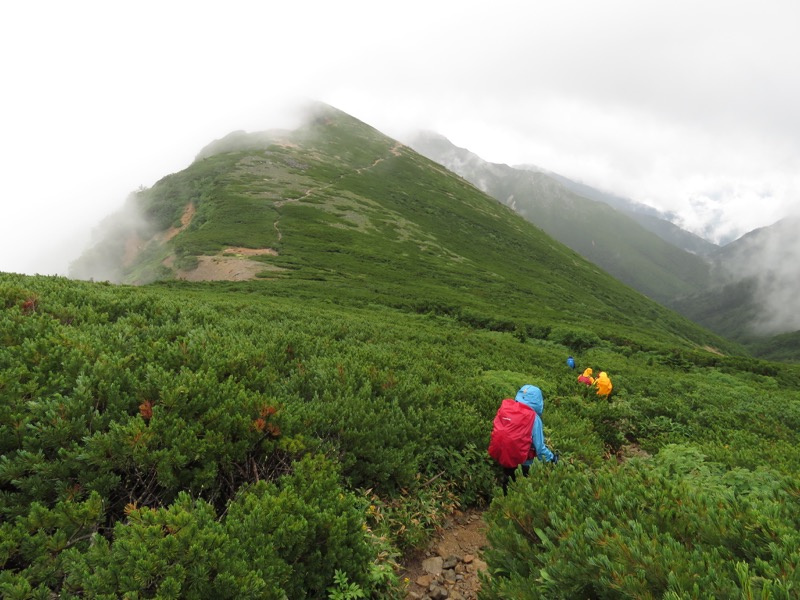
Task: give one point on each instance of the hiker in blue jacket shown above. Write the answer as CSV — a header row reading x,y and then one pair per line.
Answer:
x,y
531,396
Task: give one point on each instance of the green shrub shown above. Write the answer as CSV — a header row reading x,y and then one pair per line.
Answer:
x,y
577,340
675,524
128,410
307,527
180,551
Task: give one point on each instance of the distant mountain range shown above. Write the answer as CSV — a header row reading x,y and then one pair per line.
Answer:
x,y
648,217
606,230
756,290
745,290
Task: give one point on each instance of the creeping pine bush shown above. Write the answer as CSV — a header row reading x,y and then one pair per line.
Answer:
x,y
276,540
672,526
307,527
576,339
151,442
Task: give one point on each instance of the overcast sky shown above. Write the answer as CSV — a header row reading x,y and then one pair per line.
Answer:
x,y
689,106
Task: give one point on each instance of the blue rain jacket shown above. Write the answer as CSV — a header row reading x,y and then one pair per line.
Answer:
x,y
531,395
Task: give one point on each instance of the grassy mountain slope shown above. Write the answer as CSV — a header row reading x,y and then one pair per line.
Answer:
x,y
784,347
724,309
606,237
648,217
742,291
291,435
338,202
218,440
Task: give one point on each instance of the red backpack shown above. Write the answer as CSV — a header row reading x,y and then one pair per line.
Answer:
x,y
510,444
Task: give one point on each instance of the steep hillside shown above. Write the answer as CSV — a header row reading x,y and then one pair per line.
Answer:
x,y
648,217
768,255
613,240
753,295
338,202
744,291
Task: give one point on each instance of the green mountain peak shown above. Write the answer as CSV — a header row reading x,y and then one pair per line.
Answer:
x,y
338,202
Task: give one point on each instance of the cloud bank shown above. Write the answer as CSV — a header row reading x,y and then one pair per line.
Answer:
x,y
687,106
771,261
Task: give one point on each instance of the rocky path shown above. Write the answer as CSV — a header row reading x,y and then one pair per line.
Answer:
x,y
449,567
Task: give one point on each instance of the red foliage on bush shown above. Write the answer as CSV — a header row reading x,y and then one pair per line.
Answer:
x,y
146,410
30,305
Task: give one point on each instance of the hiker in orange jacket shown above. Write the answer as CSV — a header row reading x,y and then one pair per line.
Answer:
x,y
586,377
603,384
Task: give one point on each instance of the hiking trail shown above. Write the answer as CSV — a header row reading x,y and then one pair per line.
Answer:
x,y
394,150
449,566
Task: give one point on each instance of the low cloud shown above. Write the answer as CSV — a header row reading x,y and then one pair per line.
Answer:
x,y
113,243
770,257
778,286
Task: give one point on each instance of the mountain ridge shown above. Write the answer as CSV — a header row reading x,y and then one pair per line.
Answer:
x,y
606,237
753,296
342,204
735,290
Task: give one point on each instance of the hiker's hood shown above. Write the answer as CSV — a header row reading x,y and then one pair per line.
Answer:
x,y
587,372
603,375
531,395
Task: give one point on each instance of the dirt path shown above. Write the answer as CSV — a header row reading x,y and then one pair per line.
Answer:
x,y
394,150
449,567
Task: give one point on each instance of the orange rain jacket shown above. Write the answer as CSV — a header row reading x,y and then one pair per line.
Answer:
x,y
603,383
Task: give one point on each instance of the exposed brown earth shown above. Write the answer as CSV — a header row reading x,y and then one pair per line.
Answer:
x,y
133,246
231,264
223,268
449,567
250,251
186,218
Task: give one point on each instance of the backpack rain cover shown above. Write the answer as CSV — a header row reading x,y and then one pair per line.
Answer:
x,y
511,433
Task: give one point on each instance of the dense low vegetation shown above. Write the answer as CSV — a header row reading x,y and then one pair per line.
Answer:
x,y
193,441
293,436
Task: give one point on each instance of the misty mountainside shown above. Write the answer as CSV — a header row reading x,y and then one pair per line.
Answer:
x,y
336,203
648,217
635,246
754,296
745,290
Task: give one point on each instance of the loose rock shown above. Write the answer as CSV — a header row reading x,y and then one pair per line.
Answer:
x,y
449,567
